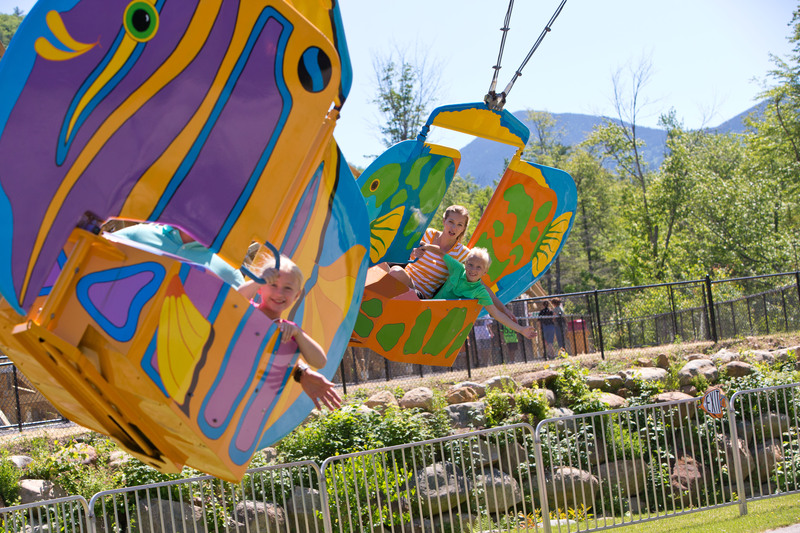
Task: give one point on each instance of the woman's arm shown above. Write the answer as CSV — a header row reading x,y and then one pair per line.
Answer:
x,y
494,312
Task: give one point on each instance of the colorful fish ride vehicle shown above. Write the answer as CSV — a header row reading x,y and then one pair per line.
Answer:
x,y
212,117
524,227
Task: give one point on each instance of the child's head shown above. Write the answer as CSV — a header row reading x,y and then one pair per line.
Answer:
x,y
477,263
456,220
278,294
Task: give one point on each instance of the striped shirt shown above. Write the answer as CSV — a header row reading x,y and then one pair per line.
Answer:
x,y
430,272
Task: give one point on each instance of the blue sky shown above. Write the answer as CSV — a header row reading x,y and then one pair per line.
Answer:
x,y
709,57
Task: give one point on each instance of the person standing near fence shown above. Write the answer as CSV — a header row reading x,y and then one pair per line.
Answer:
x,y
552,321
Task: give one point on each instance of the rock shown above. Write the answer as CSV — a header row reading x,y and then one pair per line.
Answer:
x,y
604,382
762,356
36,490
782,354
747,461
612,400
643,362
512,455
462,394
447,522
560,412
663,361
499,490
440,487
767,455
629,475
549,396
680,411
479,388
771,425
170,515
686,480
260,516
571,487
725,356
305,507
419,398
690,390
77,453
738,369
649,374
540,378
695,356
502,383
21,461
270,454
117,458
466,415
488,453
698,367
380,401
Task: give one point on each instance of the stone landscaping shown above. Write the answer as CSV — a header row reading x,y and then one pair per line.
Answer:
x,y
506,478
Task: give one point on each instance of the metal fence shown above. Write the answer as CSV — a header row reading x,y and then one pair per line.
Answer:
x,y
67,515
594,322
606,320
576,473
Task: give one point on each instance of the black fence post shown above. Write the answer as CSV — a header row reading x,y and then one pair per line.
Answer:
x,y
712,316
674,319
16,395
599,326
797,284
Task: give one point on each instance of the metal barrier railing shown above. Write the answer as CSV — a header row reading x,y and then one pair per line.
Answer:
x,y
278,498
634,464
574,473
479,481
67,515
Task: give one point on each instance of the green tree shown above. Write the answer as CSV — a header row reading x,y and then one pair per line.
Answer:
x,y
464,191
406,92
9,25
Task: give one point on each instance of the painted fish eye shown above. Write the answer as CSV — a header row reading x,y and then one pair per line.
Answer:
x,y
141,21
374,185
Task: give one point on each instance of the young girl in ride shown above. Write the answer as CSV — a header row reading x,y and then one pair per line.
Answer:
x,y
273,298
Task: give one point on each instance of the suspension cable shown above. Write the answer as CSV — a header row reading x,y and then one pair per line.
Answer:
x,y
504,29
497,101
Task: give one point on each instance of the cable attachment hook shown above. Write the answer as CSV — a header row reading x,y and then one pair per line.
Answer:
x,y
495,101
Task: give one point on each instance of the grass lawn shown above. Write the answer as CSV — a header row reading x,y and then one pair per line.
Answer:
x,y
761,515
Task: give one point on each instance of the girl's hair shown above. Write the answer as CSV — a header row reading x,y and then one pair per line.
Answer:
x,y
263,260
458,210
480,253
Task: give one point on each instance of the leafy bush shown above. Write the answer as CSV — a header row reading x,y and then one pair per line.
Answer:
x,y
570,384
533,403
9,480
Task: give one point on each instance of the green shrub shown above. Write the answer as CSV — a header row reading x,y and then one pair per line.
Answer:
x,y
499,407
533,403
9,480
570,385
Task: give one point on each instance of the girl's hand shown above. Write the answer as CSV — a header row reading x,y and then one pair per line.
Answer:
x,y
288,329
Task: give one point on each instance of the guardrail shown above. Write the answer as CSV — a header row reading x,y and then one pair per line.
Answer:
x,y
575,473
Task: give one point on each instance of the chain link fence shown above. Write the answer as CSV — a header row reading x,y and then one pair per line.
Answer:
x,y
593,322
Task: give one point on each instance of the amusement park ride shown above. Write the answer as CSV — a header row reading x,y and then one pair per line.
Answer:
x,y
218,119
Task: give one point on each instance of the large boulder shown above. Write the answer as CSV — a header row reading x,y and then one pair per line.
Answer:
x,y
461,394
77,453
686,480
698,367
627,476
767,455
36,490
612,400
496,491
440,487
540,378
647,374
568,486
419,398
741,449
502,383
170,515
604,382
21,461
466,415
738,369
480,388
682,406
260,516
380,401
304,509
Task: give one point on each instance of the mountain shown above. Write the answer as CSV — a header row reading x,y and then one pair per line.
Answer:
x,y
486,160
